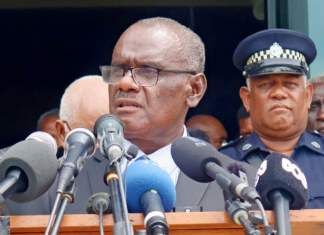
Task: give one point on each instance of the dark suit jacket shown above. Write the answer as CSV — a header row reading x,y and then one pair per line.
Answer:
x,y
90,181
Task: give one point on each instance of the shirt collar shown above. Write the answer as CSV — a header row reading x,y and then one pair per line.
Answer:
x,y
249,144
162,156
311,141
141,153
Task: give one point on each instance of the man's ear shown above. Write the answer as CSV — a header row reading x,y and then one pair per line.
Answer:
x,y
198,86
309,94
245,97
60,132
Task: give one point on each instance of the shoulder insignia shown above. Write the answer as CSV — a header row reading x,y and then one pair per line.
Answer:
x,y
247,146
231,143
316,145
317,133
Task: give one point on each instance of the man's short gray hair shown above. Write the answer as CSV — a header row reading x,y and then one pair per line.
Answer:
x,y
72,97
193,50
249,79
317,79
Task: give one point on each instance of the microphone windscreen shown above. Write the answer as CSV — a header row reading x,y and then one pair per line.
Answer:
x,y
44,138
37,161
145,175
280,172
192,154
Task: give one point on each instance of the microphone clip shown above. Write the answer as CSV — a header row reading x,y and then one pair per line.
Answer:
x,y
237,211
70,192
113,151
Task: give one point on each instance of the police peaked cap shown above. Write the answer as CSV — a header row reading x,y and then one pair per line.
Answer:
x,y
274,51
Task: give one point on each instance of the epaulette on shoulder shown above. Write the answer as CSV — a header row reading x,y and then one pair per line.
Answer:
x,y
232,143
316,133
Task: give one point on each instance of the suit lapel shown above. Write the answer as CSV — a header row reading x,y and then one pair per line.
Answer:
x,y
95,172
189,192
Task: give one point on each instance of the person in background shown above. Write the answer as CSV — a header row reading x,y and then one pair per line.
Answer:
x,y
275,63
46,123
198,134
245,122
316,112
83,102
211,126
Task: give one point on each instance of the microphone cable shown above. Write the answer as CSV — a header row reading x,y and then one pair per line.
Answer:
x,y
125,181
99,204
268,229
101,219
130,154
261,208
123,198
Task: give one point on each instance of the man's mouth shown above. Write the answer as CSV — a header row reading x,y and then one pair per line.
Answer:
x,y
280,106
127,105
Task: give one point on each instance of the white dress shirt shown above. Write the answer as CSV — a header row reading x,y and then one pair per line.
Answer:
x,y
162,157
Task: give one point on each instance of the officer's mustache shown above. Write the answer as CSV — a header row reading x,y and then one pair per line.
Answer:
x,y
279,104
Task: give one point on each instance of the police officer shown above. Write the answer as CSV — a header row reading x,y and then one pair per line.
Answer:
x,y
275,63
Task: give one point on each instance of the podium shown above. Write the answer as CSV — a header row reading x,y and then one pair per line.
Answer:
x,y
198,223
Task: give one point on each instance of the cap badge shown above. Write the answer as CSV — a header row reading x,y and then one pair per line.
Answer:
x,y
316,145
247,146
276,49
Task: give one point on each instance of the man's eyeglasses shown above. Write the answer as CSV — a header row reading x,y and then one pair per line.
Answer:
x,y
143,76
65,122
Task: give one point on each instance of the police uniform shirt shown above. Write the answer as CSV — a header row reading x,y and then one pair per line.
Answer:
x,y
308,153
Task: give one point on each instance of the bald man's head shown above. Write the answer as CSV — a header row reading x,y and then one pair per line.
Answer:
x,y
83,102
211,126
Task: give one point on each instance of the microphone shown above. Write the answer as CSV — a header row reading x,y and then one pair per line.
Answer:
x,y
96,201
131,152
201,162
39,136
28,168
278,171
80,144
109,130
3,151
150,191
99,204
282,186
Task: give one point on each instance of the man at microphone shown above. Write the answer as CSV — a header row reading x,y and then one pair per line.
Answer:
x,y
275,63
156,75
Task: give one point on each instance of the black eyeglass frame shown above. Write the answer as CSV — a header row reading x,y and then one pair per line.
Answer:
x,y
65,122
131,69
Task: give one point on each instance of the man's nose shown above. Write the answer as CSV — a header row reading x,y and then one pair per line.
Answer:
x,y
127,83
278,92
